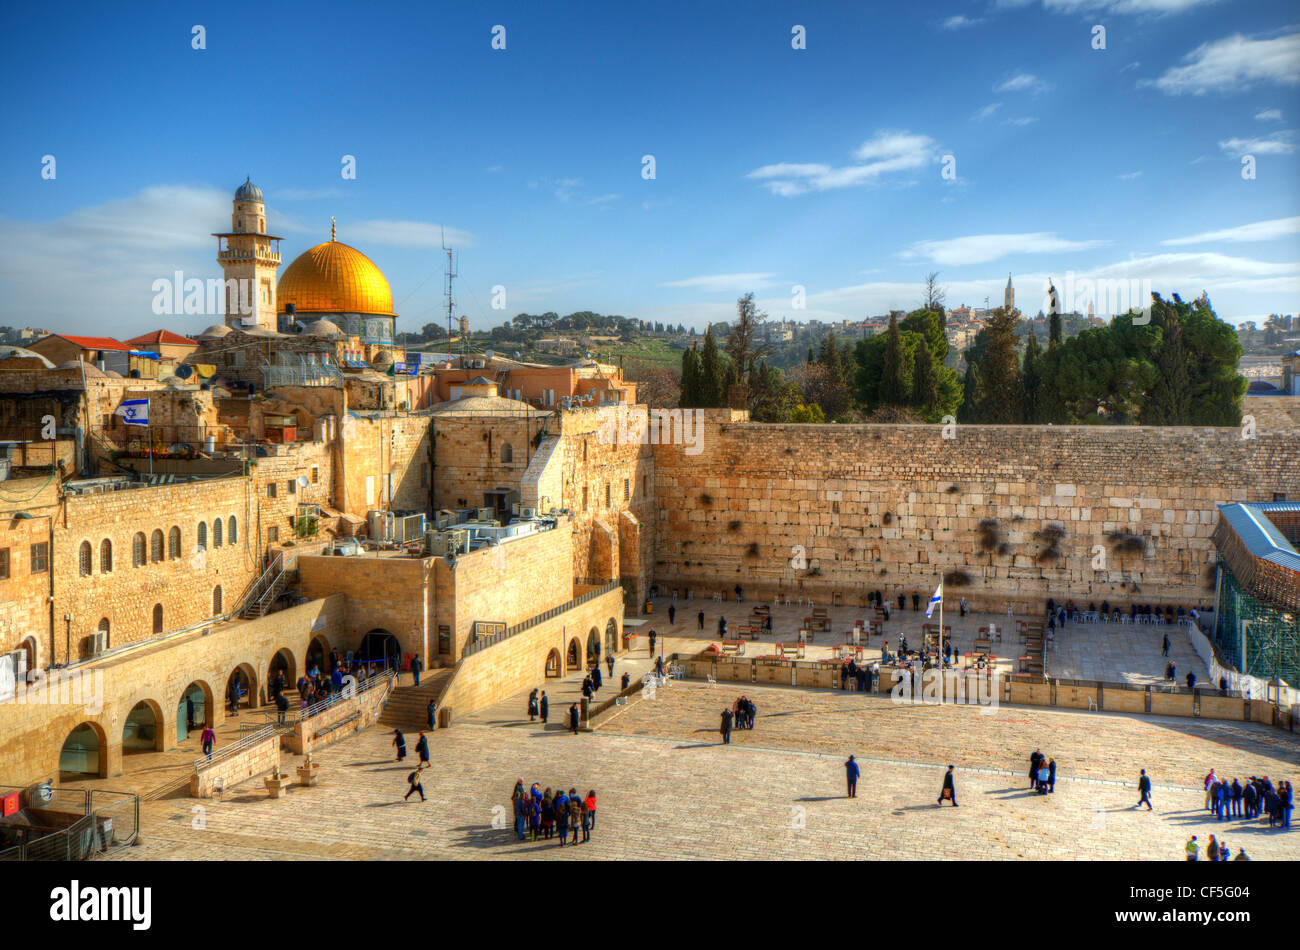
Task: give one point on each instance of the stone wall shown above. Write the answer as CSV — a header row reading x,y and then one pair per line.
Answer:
x,y
258,759
345,718
1008,513
391,594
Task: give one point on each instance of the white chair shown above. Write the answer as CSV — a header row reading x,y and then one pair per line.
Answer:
x,y
712,680
1092,704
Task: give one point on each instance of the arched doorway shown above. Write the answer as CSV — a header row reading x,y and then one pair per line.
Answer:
x,y
193,710
281,672
611,637
241,689
593,647
380,649
553,663
143,729
28,647
83,753
318,653
575,656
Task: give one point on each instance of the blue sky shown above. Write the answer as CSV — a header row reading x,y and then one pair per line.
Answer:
x,y
774,167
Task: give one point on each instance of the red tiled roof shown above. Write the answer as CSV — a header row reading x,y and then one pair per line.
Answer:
x,y
158,337
93,342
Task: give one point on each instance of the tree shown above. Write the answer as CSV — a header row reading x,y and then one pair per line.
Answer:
x,y
1054,330
1169,402
690,397
925,385
742,342
771,397
894,390
1032,379
934,294
1000,397
712,381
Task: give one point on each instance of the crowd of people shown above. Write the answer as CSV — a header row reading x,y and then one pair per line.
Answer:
x,y
741,714
1042,773
541,815
1254,798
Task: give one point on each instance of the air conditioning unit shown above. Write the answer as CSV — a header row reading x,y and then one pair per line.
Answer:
x,y
527,512
98,642
485,514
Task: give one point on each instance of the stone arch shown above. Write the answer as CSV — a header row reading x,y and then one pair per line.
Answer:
x,y
232,530
593,646
106,556
201,541
199,694
156,546
554,665
31,646
142,729
282,662
85,559
138,546
380,645
611,637
574,658
106,628
84,752
216,532
174,543
246,677
318,652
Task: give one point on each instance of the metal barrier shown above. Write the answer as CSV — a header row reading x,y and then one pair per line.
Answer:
x,y
108,820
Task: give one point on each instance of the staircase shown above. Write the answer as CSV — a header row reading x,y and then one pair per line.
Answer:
x,y
408,706
264,591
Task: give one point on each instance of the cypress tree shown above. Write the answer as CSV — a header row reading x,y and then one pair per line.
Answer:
x,y
1000,398
1054,331
690,379
893,381
1032,377
712,379
925,382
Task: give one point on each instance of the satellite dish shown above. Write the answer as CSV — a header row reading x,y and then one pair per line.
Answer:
x,y
303,481
184,371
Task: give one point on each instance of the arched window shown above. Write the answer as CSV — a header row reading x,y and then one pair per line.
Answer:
x,y
157,618
216,533
507,453
84,559
104,628
174,542
216,601
232,533
202,540
156,545
105,556
137,550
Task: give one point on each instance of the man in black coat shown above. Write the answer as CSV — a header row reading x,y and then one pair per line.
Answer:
x,y
1035,761
1144,787
949,790
573,718
543,707
726,727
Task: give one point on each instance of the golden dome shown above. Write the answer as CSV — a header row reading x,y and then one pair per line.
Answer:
x,y
334,278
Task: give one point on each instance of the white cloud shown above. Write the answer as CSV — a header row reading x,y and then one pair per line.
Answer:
x,y
1279,143
719,283
603,200
1129,176
1021,82
987,111
1022,121
1132,7
886,153
1269,115
983,248
404,234
959,22
1258,231
1232,64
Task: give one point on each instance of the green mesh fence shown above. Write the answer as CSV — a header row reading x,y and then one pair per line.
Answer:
x,y
1268,645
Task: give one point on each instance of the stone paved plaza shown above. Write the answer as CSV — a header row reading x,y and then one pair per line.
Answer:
x,y
668,789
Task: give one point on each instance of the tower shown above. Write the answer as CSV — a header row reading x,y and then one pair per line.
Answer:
x,y
249,261
1009,296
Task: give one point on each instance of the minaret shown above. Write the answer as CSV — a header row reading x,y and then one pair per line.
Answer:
x,y
1009,296
250,261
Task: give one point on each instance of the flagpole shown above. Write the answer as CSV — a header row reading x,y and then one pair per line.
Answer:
x,y
940,638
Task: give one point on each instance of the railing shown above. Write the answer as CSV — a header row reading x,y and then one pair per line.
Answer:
x,y
243,745
102,813
261,589
485,642
383,677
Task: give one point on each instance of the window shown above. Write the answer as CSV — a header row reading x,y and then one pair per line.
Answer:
x,y
232,534
507,454
315,474
627,489
270,489
157,618
293,486
216,601
584,497
202,540
156,546
40,557
216,532
138,550
84,557
272,535
607,494
370,490
105,556
174,543
1279,496
4,564
106,629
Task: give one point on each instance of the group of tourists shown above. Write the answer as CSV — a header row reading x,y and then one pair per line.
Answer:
x,y
741,714
1256,797
1042,773
1215,851
861,678
539,813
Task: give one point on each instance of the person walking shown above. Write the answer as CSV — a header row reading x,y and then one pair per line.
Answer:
x,y
1144,788
609,663
949,791
1164,646
653,636
672,614
852,771
1051,775
422,750
627,679
399,741
963,606
701,619
532,706
416,665
543,707
573,718
1192,848
281,706
414,781
725,729
208,739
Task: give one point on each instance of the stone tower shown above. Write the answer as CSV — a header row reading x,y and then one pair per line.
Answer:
x,y
249,259
1009,296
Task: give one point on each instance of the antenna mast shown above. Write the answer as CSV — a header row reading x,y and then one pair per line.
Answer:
x,y
451,275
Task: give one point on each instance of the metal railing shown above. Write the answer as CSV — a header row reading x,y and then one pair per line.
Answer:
x,y
382,677
242,745
108,820
485,642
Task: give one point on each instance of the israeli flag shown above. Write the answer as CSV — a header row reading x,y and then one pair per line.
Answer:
x,y
134,412
936,599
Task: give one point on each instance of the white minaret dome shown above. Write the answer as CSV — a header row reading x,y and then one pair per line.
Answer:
x,y
249,259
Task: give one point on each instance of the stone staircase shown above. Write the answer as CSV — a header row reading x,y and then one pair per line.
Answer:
x,y
407,706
